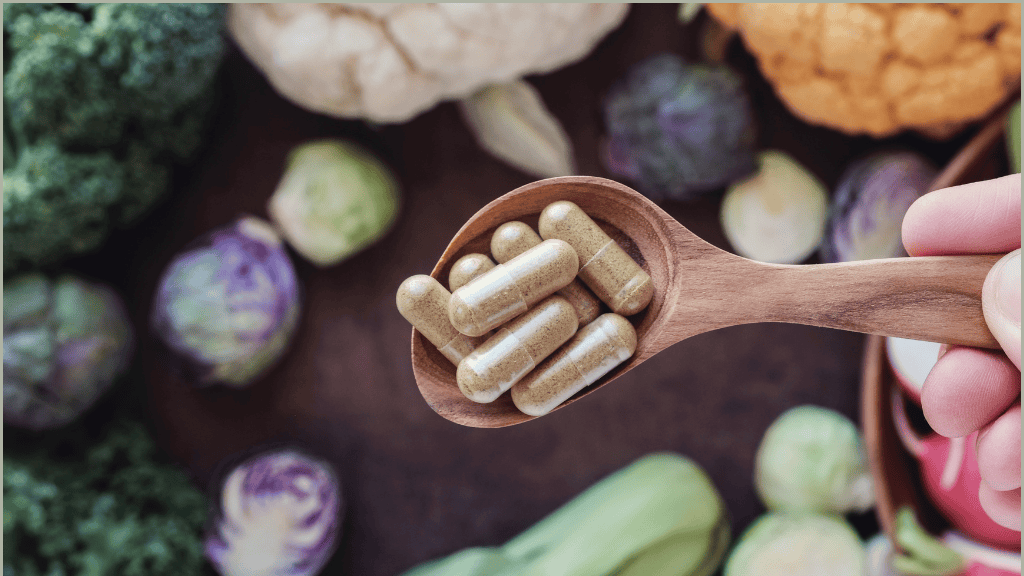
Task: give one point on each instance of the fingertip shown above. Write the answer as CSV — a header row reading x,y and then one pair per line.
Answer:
x,y
1003,507
998,448
976,218
917,224
968,388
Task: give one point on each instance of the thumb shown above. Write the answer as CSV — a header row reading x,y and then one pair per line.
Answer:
x,y
1000,301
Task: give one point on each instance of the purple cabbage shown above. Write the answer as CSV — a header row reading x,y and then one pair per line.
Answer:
x,y
280,516
65,343
679,130
866,218
229,305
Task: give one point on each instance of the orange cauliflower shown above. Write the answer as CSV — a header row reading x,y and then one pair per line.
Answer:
x,y
880,69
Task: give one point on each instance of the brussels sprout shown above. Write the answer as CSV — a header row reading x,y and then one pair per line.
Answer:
x,y
797,545
65,343
812,459
679,130
334,200
873,195
280,516
778,215
228,306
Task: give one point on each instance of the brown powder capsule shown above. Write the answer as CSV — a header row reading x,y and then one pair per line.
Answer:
x,y
467,268
511,288
513,238
593,352
423,301
515,349
605,267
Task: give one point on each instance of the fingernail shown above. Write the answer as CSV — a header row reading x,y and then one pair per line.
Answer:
x,y
1008,289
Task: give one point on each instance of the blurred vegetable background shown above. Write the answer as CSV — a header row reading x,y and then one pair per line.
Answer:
x,y
359,175
89,143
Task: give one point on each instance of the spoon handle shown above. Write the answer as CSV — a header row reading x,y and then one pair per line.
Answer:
x,y
932,298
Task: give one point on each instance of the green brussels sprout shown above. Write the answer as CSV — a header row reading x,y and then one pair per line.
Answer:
x,y
65,343
797,545
334,200
812,459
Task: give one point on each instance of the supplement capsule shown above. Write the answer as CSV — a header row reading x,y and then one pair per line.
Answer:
x,y
604,265
467,268
423,301
515,349
513,238
593,352
509,289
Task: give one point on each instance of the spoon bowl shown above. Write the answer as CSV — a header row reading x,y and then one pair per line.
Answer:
x,y
699,288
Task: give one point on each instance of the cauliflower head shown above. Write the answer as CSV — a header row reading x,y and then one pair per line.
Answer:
x,y
879,69
389,62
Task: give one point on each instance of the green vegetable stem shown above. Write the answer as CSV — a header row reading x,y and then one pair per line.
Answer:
x,y
660,515
1013,137
923,554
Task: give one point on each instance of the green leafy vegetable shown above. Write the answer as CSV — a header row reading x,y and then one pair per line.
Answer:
x,y
779,544
660,515
99,506
99,101
334,199
812,459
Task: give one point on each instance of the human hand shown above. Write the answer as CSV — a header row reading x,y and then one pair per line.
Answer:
x,y
972,389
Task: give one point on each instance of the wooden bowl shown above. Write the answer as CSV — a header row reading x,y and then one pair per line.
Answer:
x,y
893,469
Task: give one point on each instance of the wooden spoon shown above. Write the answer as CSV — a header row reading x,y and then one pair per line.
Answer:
x,y
699,288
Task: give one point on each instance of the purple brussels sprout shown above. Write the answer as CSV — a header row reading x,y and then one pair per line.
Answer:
x,y
65,343
679,130
227,307
866,218
280,516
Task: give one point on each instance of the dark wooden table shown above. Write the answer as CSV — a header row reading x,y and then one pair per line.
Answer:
x,y
417,486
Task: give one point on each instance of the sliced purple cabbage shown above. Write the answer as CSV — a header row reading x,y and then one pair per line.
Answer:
x,y
280,516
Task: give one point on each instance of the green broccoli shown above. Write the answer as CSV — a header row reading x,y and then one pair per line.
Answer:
x,y
100,100
97,506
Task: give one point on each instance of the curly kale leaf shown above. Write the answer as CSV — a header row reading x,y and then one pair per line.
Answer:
x,y
105,507
111,95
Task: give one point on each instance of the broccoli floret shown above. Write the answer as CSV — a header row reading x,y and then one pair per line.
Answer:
x,y
79,504
99,101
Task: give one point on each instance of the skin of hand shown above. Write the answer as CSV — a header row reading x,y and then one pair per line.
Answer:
x,y
972,389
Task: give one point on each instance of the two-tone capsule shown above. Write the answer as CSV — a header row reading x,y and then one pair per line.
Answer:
x,y
595,350
423,301
511,288
605,267
468,268
513,238
516,349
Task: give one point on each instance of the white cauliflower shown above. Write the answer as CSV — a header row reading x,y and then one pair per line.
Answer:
x,y
389,62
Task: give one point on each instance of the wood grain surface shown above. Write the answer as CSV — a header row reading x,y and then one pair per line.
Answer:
x,y
416,485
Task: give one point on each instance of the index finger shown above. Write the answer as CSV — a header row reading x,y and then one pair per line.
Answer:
x,y
976,218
